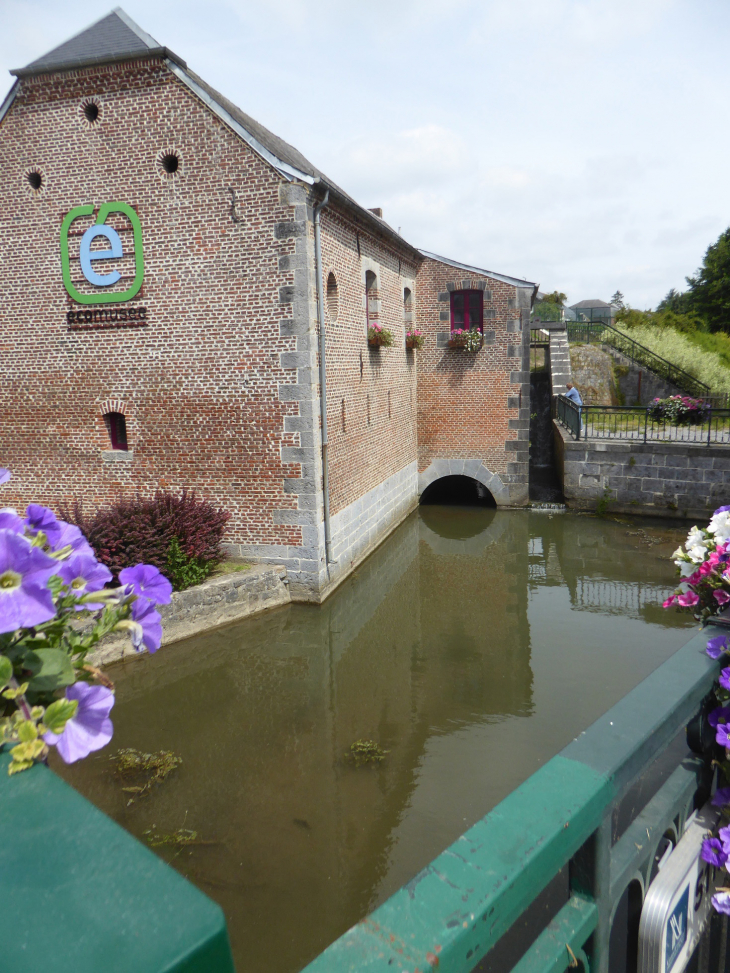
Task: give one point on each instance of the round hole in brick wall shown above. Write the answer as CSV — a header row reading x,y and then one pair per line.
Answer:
x,y
91,112
35,180
332,296
169,162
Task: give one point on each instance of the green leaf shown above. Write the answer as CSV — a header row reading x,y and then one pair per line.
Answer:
x,y
6,671
59,713
51,670
27,732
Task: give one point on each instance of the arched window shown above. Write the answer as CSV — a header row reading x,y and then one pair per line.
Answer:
x,y
332,296
467,310
371,297
116,426
407,306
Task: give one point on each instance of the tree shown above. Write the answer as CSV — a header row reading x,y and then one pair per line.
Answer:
x,y
709,290
618,301
556,297
674,301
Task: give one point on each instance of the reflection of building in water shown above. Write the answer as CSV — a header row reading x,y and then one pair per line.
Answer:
x,y
425,641
604,571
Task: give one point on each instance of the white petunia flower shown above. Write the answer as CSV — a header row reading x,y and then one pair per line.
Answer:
x,y
719,526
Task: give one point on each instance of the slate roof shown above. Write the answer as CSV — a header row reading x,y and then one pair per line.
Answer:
x,y
590,303
115,37
515,281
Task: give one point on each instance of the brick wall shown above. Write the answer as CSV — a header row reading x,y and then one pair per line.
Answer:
x,y
475,406
200,381
214,361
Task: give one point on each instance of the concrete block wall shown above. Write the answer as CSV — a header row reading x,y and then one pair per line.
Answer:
x,y
363,524
664,479
560,371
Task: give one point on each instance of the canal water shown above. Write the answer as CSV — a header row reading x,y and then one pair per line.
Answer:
x,y
472,646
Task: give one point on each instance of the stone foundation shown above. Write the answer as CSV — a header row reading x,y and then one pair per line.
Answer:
x,y
217,601
660,479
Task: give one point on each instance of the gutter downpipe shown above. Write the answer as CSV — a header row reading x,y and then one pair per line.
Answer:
x,y
322,379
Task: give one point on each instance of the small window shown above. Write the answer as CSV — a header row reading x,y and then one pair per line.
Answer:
x,y
116,426
467,310
371,296
332,296
407,305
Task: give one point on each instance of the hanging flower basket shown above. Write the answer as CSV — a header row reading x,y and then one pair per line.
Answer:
x,y
379,337
469,340
679,410
414,339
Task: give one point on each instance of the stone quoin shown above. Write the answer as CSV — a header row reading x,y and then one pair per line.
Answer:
x,y
158,252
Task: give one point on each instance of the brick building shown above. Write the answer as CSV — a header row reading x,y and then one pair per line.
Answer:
x,y
170,268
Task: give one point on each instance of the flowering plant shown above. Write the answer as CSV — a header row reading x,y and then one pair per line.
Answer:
x,y
705,589
703,566
378,336
678,410
54,607
469,339
414,338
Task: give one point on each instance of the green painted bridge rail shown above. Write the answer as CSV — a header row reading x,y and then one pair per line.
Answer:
x,y
81,895
588,816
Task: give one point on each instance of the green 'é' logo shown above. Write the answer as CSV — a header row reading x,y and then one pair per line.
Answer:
x,y
88,257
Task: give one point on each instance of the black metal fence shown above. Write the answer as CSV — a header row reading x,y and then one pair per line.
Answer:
x,y
606,334
635,423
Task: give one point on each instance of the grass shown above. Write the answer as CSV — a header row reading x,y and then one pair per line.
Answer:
x,y
230,566
705,356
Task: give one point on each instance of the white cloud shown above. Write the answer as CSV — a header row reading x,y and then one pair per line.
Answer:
x,y
580,143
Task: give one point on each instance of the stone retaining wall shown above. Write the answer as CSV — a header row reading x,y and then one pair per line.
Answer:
x,y
218,601
660,479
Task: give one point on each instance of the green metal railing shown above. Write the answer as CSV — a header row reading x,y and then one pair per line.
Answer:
x,y
606,334
454,912
635,423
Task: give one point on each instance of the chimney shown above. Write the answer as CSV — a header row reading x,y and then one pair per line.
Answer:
x,y
377,211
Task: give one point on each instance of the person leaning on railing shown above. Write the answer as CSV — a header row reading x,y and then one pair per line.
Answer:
x,y
574,395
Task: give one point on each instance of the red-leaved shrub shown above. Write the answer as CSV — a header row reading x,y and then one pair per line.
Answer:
x,y
141,531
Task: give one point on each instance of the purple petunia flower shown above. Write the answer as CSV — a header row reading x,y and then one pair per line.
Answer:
x,y
148,630
40,518
724,835
721,510
9,520
721,713
721,902
145,580
69,535
4,475
721,797
722,735
24,571
89,728
725,678
713,852
83,573
721,596
716,646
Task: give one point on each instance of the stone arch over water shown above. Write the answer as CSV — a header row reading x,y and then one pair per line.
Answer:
x,y
472,468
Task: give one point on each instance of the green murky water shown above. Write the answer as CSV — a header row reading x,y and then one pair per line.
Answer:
x,y
473,645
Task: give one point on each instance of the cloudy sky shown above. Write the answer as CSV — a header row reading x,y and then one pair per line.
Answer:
x,y
581,144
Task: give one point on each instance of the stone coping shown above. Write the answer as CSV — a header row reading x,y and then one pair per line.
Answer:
x,y
218,601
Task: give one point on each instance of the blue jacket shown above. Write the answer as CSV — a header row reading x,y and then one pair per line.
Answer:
x,y
574,395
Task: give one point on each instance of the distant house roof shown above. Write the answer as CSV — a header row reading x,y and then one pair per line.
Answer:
x,y
590,303
115,37
515,281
